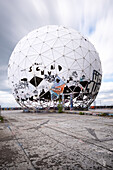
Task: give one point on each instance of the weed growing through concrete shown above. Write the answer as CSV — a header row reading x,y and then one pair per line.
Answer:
x,y
81,113
1,119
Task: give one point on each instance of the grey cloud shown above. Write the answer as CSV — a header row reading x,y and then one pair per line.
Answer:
x,y
106,92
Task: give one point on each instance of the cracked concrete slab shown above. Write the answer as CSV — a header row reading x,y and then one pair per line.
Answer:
x,y
55,141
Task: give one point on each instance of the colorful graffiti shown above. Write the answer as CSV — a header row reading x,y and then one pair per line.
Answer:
x,y
57,88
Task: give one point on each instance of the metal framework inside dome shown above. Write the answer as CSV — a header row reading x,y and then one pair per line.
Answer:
x,y
51,63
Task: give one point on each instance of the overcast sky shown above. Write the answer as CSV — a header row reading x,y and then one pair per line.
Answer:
x,y
93,18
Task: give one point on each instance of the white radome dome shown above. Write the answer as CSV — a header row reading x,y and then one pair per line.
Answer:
x,y
52,61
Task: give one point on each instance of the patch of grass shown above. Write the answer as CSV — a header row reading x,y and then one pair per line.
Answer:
x,y
60,108
1,119
103,114
81,113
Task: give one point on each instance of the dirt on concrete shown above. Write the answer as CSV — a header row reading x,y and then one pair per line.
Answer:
x,y
55,141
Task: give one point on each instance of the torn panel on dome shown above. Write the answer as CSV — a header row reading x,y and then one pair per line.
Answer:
x,y
47,95
35,81
94,85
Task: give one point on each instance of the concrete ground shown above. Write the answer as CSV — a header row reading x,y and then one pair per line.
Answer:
x,y
34,141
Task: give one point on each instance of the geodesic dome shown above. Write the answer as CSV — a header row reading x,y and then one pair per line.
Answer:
x,y
51,62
